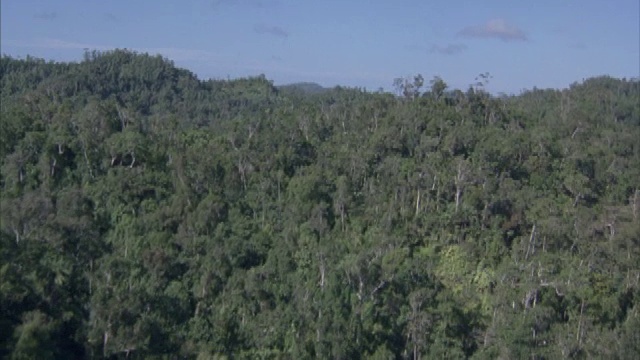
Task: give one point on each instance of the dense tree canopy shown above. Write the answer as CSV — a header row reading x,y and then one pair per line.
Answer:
x,y
146,213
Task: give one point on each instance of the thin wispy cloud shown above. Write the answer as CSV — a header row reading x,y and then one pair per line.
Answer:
x,y
265,3
560,29
55,44
578,45
449,49
111,17
253,3
45,15
271,30
176,54
496,29
570,37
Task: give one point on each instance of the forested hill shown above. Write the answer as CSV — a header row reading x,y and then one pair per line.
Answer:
x,y
148,214
303,88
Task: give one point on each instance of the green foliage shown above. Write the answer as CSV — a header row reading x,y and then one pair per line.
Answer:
x,y
148,214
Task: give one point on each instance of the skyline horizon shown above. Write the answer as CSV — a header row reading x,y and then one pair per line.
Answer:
x,y
324,86
365,44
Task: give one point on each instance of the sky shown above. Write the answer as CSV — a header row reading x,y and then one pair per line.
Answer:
x,y
355,43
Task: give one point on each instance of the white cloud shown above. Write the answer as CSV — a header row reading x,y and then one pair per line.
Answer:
x,y
497,29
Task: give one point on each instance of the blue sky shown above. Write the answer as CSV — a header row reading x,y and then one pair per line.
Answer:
x,y
364,43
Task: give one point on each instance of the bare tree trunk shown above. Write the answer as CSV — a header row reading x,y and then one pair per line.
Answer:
x,y
418,203
634,200
531,240
578,333
612,231
322,268
53,167
122,116
86,158
459,181
105,341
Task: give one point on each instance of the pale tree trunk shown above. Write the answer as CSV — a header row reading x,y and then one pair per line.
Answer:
x,y
322,268
342,213
53,167
303,125
459,181
578,333
86,158
242,168
531,245
122,116
418,203
634,201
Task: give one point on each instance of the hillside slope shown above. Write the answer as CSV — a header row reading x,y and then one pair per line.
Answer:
x,y
147,213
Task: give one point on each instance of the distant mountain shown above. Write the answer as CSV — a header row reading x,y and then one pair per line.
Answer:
x,y
303,87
